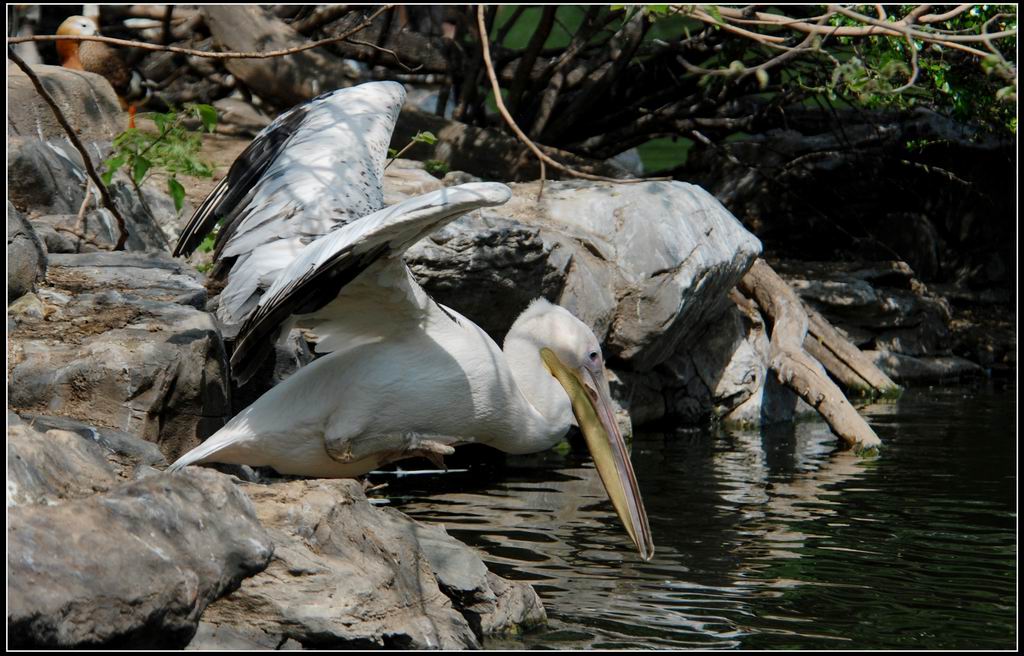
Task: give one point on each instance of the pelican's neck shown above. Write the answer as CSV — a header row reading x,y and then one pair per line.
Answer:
x,y
548,419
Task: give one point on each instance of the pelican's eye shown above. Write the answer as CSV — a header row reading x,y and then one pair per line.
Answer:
x,y
594,357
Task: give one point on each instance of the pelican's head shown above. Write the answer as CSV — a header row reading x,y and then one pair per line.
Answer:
x,y
571,354
67,51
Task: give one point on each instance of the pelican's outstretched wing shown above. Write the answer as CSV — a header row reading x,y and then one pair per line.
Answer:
x,y
317,166
318,274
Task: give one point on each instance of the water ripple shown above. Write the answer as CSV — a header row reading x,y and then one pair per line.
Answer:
x,y
773,540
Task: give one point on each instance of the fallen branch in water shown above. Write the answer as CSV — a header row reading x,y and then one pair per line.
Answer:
x,y
108,202
793,366
844,360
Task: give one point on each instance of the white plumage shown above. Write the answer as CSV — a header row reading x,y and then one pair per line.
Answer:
x,y
401,375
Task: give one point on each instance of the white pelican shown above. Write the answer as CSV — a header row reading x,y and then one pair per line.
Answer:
x,y
305,243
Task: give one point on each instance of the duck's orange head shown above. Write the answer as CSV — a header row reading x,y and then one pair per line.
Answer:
x,y
68,50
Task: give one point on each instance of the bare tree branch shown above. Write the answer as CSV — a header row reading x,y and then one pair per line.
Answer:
x,y
544,159
108,202
203,53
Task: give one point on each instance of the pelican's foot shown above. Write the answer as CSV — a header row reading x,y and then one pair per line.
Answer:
x,y
432,451
369,486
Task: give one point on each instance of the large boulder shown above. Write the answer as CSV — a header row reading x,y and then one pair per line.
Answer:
x,y
645,265
47,177
43,169
120,341
87,101
346,574
135,566
48,466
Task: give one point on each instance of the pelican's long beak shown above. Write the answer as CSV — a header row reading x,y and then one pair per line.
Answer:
x,y
592,406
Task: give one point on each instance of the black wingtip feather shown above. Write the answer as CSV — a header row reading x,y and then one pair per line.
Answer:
x,y
245,172
308,294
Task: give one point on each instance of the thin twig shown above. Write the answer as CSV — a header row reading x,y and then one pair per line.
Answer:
x,y
85,204
544,159
394,54
108,202
400,153
914,73
203,53
83,238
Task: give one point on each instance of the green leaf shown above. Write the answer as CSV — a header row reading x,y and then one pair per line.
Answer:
x,y
392,153
208,115
161,122
425,138
139,168
207,244
435,167
562,448
112,165
177,193
713,11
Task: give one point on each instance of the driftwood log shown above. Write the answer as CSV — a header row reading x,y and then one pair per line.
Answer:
x,y
856,371
795,367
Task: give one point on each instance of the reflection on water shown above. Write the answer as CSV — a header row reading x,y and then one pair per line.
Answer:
x,y
764,539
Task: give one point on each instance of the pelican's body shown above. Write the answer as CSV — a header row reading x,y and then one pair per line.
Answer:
x,y
305,242
438,379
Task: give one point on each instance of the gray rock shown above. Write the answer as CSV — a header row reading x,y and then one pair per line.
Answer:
x,y
26,308
905,368
48,466
44,170
726,371
123,345
131,568
878,305
346,574
211,637
235,116
98,230
48,176
117,445
491,604
645,265
87,101
488,268
26,257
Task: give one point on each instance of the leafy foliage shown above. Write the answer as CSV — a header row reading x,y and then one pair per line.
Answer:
x,y
435,167
869,70
173,148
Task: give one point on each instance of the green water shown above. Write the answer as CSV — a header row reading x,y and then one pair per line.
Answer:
x,y
767,539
